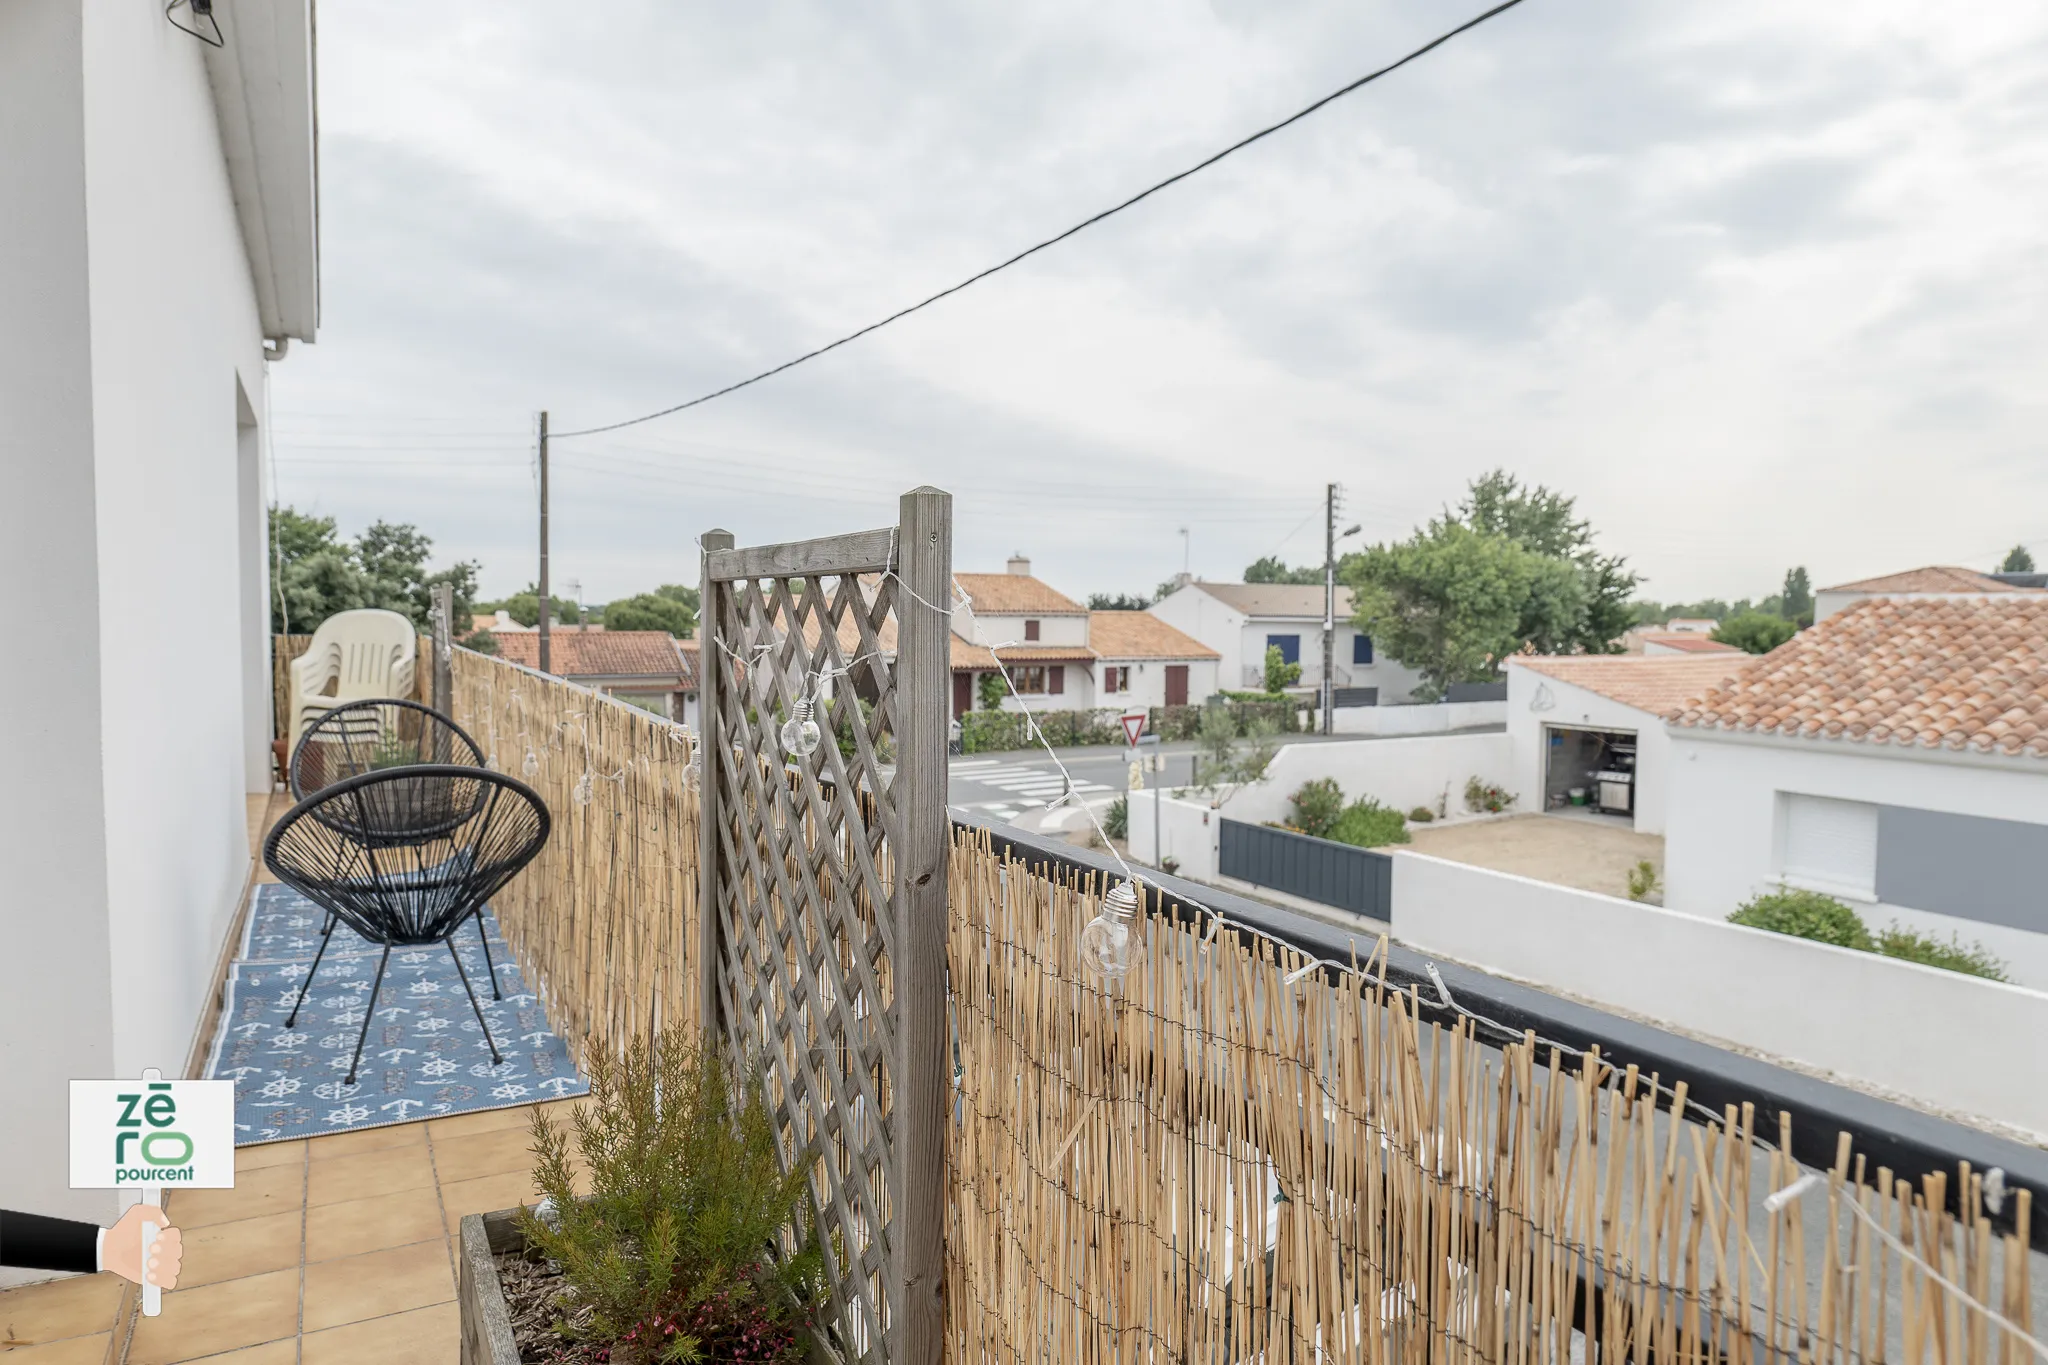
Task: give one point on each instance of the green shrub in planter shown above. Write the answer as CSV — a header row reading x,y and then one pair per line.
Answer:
x,y
1421,815
686,1195
1805,914
1953,956
1116,821
1368,824
1315,806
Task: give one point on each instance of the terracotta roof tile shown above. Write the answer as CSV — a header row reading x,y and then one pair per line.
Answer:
x,y
1141,635
1687,641
1015,594
598,654
1655,683
1276,599
1935,578
1965,673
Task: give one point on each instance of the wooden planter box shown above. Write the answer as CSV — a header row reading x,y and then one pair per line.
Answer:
x,y
486,1322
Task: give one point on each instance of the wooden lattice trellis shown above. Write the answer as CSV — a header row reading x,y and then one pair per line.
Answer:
x,y
825,878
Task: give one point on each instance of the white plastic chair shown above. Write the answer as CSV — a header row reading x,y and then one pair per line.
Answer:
x,y
355,655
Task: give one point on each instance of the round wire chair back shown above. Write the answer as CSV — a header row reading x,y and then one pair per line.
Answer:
x,y
376,736
381,853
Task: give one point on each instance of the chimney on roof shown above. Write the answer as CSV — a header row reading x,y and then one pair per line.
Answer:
x,y
1020,566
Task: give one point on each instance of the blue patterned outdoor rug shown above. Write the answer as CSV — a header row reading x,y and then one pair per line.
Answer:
x,y
425,1056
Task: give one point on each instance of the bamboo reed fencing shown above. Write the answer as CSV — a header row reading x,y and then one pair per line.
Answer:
x,y
604,921
1242,1156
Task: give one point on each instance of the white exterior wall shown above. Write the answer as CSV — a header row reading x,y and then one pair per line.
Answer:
x,y
1723,843
1188,831
1148,682
1911,1029
132,374
1576,708
1434,718
1052,630
1403,773
1215,624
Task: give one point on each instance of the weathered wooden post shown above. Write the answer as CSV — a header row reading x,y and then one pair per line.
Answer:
x,y
712,739
444,645
924,595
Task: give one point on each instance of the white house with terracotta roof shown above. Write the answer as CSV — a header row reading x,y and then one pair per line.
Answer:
x,y
649,668
1653,641
1941,583
1594,724
1239,621
1895,755
1061,656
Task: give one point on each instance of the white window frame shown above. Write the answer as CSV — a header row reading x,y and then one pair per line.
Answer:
x,y
1854,824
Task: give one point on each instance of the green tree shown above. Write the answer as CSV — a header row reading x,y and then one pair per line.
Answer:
x,y
1755,632
1122,601
524,607
1546,523
318,574
989,690
651,611
1451,602
2017,560
1795,601
1280,675
1270,570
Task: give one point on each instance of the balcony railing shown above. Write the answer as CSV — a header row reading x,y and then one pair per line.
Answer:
x,y
1275,1140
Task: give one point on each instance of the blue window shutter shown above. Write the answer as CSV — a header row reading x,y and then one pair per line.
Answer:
x,y
1289,646
1361,649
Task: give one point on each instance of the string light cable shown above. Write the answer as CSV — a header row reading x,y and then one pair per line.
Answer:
x,y
1086,223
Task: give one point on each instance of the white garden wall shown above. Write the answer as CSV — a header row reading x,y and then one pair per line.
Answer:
x,y
1943,1038
1187,831
1435,718
1403,773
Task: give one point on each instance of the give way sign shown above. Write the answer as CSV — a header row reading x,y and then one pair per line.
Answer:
x,y
1134,725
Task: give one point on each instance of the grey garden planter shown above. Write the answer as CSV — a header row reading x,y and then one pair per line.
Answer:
x,y
486,1322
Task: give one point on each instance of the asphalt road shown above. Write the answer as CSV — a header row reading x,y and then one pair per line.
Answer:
x,y
1016,787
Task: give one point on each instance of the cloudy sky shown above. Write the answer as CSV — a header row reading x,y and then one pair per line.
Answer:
x,y
1760,284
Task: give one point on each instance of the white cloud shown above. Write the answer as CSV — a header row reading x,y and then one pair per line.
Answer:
x,y
1759,285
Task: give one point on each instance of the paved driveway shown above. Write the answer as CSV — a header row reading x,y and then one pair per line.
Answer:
x,y
1589,852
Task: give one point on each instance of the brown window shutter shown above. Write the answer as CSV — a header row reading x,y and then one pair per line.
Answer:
x,y
1056,679
1031,630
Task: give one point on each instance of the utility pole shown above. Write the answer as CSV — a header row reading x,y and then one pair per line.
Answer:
x,y
1329,692
547,605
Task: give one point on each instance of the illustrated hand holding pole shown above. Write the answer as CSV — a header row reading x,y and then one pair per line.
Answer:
x,y
143,1247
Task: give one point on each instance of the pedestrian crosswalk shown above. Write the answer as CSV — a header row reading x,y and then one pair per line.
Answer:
x,y
1032,784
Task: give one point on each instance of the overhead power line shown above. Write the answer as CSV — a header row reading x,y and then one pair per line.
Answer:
x,y
1057,238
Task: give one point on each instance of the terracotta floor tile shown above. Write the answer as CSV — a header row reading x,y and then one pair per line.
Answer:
x,y
368,1174
247,1246
218,1317
483,1121
377,1283
368,1140
269,1154
90,1350
284,1351
424,1336
358,1225
486,1195
479,1154
267,1190
76,1307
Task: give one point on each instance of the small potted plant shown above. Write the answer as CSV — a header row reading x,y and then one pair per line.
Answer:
x,y
685,1247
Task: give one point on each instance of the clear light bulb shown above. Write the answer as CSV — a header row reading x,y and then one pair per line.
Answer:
x,y
530,769
800,733
1107,944
582,793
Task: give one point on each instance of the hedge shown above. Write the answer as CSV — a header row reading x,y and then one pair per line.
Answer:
x,y
984,732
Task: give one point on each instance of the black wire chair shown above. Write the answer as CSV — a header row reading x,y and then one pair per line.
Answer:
x,y
374,736
355,848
